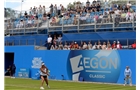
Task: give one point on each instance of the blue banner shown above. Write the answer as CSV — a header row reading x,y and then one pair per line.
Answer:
x,y
89,65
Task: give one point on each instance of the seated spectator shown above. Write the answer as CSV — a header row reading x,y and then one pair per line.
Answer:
x,y
21,24
89,46
123,16
82,19
9,25
87,3
75,20
96,17
94,46
119,46
85,46
59,38
60,46
65,46
29,23
98,7
105,17
94,2
76,46
36,22
67,16
99,46
128,16
114,46
57,19
53,21
108,44
98,2
44,17
72,46
134,45
104,46
109,47
100,18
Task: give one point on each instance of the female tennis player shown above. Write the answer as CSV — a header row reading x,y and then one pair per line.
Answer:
x,y
44,74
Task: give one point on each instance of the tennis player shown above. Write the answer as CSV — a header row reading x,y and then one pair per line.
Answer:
x,y
44,74
127,74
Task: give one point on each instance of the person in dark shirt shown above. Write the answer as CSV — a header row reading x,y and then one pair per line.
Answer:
x,y
13,69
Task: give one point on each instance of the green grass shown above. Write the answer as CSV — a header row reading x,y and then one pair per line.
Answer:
x,y
28,84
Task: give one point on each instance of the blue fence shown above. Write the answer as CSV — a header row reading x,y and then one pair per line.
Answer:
x,y
94,65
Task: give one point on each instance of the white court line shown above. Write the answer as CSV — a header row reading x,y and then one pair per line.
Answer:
x,y
98,71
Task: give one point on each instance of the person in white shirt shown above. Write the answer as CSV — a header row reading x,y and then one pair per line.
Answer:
x,y
29,23
59,9
127,74
89,46
94,46
49,42
84,46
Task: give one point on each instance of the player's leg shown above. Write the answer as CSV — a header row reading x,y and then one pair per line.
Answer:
x,y
42,78
126,79
130,81
46,80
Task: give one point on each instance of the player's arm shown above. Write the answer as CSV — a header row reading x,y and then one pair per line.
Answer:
x,y
42,70
47,71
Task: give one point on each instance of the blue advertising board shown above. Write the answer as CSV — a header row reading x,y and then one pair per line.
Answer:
x,y
90,65
23,72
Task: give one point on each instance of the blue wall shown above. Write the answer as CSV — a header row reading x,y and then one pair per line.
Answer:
x,y
100,36
60,62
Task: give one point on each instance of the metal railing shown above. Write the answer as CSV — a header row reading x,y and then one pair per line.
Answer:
x,y
68,25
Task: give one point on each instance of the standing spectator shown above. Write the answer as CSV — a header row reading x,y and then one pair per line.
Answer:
x,y
127,74
40,9
31,11
59,9
43,10
134,45
49,42
55,9
119,46
114,45
129,5
51,8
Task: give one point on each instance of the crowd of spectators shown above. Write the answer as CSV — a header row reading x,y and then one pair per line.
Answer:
x,y
91,12
55,43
